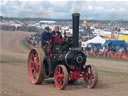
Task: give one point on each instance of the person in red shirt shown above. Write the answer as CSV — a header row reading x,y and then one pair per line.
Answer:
x,y
57,37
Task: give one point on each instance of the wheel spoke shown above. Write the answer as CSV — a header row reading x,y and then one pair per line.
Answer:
x,y
60,83
61,75
33,56
92,76
59,70
32,62
37,64
34,74
32,67
91,81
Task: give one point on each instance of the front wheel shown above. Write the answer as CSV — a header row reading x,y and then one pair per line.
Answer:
x,y
92,74
61,77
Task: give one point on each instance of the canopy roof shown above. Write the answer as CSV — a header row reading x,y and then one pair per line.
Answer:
x,y
115,42
97,39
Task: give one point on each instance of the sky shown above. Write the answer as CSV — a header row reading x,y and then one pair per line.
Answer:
x,y
62,9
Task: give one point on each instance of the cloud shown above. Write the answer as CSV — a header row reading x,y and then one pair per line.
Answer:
x,y
58,3
76,6
92,9
101,9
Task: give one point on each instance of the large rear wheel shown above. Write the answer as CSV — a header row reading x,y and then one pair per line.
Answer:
x,y
35,67
92,74
61,77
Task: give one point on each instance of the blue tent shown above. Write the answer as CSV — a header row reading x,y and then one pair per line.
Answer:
x,y
107,43
95,44
126,44
114,42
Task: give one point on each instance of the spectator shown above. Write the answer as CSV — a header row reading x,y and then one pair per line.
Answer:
x,y
95,51
121,49
106,51
119,53
101,51
111,53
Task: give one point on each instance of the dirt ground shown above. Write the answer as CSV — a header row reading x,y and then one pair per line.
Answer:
x,y
14,81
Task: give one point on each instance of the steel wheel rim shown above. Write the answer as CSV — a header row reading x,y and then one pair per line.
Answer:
x,y
91,77
33,66
59,77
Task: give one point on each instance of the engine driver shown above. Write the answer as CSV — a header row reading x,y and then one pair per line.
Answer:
x,y
46,36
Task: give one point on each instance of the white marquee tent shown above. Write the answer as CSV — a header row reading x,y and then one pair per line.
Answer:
x,y
96,39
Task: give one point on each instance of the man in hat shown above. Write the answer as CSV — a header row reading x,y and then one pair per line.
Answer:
x,y
46,36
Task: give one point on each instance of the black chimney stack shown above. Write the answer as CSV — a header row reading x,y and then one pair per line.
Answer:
x,y
75,22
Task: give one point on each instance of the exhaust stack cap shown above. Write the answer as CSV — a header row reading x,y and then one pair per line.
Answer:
x,y
76,14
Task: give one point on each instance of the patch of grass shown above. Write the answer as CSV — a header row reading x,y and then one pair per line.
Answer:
x,y
12,59
24,45
111,59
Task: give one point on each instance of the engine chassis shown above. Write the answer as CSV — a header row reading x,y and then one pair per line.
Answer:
x,y
37,72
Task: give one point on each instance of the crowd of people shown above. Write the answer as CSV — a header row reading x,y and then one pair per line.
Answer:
x,y
33,40
108,51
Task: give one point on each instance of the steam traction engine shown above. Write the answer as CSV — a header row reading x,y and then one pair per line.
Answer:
x,y
65,62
